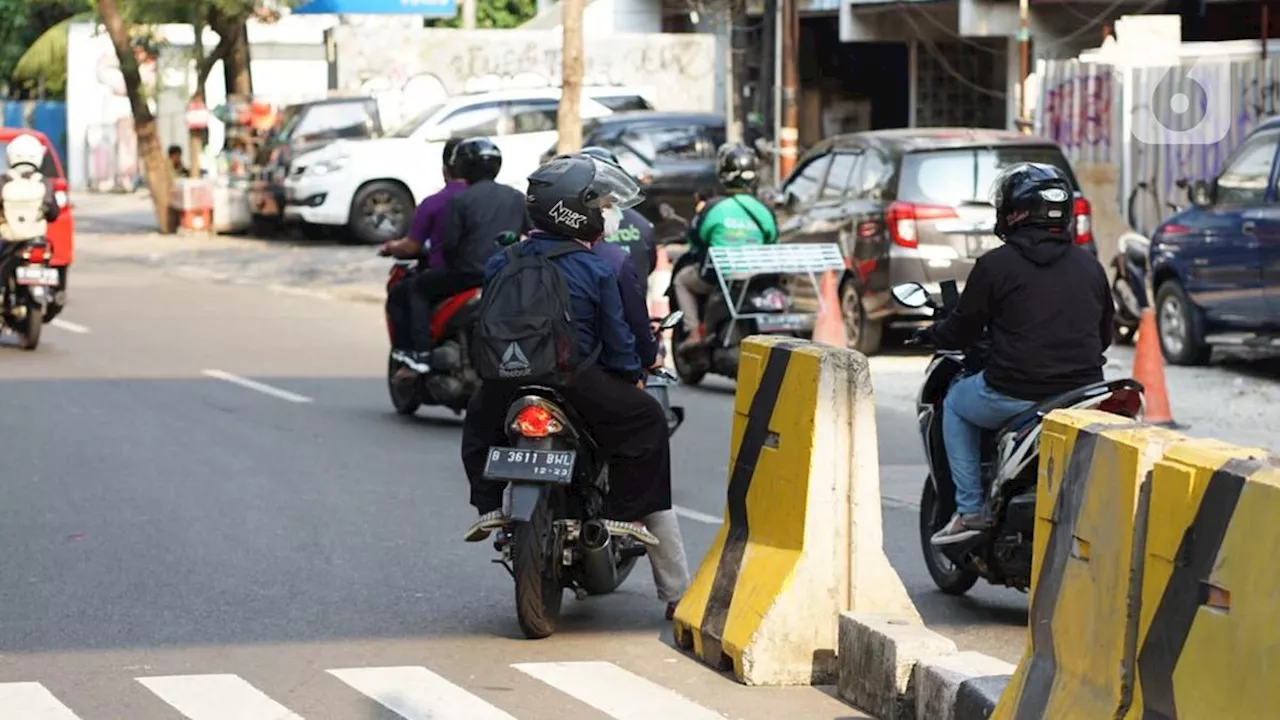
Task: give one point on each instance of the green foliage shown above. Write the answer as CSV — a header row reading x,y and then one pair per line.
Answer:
x,y
495,14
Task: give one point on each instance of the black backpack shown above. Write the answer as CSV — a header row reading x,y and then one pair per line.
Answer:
x,y
524,330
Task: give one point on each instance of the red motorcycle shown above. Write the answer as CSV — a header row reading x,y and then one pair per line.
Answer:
x,y
451,380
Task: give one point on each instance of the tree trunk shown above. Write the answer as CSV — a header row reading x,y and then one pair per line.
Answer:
x,y
569,117
155,166
235,65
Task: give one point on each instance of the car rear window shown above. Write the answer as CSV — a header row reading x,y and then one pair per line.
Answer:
x,y
964,175
49,168
623,103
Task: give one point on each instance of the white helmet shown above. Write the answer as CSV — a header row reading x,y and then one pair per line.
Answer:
x,y
25,150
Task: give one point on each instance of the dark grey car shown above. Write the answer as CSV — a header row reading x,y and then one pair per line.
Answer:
x,y
907,205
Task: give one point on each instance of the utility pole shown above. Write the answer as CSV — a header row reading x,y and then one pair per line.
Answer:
x,y
1024,64
468,14
789,132
569,116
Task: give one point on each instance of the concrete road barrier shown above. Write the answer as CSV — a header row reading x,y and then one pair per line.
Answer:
x,y
1209,627
1155,596
1079,659
802,538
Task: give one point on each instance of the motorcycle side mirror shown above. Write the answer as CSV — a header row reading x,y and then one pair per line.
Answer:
x,y
1202,193
506,239
671,320
912,295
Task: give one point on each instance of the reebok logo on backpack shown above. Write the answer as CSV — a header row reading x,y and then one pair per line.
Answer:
x,y
524,331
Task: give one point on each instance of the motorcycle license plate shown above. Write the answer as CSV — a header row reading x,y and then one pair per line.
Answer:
x,y
979,245
549,466
36,275
781,323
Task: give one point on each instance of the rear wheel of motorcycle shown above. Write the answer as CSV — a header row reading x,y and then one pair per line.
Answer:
x,y
949,578
404,394
538,589
29,337
689,374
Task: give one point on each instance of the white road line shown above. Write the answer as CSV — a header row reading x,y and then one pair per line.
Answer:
x,y
697,516
620,694
416,693
31,701
257,386
69,326
216,697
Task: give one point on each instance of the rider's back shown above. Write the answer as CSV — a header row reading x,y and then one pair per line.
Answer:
x,y
736,220
1049,308
23,197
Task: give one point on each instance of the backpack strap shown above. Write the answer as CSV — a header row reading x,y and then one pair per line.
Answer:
x,y
565,249
737,199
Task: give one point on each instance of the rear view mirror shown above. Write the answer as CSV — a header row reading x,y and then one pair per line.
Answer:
x,y
1202,193
671,320
912,295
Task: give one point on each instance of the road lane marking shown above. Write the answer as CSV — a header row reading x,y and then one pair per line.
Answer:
x,y
697,516
69,326
416,693
620,694
216,697
31,701
255,385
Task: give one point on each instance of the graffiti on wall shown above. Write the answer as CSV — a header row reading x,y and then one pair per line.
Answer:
x,y
1077,111
679,70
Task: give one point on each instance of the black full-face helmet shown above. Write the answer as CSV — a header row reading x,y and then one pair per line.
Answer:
x,y
601,153
1032,195
566,195
450,149
477,159
736,166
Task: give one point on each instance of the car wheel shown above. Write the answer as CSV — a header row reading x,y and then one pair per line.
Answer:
x,y
861,334
1179,327
380,212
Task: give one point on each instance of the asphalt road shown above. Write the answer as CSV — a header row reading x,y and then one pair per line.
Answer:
x,y
211,512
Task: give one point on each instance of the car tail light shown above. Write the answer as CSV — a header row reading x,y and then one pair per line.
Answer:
x,y
902,217
60,192
1173,230
1125,401
536,422
1084,222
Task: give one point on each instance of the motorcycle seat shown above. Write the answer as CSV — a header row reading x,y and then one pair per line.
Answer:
x,y
1067,399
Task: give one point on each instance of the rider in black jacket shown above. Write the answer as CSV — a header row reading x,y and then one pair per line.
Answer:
x,y
1048,306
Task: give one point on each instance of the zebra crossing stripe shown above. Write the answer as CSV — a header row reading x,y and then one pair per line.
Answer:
x,y
616,692
216,697
31,701
416,693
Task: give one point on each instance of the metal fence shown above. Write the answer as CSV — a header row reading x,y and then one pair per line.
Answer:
x,y
1127,117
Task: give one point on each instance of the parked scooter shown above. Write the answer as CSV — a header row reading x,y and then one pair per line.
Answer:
x,y
1010,460
1129,286
557,479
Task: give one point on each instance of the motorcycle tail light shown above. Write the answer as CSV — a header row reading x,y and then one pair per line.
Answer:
x,y
33,255
536,422
1126,402
772,299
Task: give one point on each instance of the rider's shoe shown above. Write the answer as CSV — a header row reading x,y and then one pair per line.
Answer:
x,y
485,525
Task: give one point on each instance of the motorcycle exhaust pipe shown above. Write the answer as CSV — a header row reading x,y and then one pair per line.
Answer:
x,y
599,573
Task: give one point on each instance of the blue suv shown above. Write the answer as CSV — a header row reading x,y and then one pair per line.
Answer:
x,y
1215,267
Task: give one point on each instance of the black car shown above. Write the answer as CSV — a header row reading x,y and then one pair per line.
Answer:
x,y
301,128
671,153
908,205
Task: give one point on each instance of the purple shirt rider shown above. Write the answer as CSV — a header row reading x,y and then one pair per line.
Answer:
x,y
428,222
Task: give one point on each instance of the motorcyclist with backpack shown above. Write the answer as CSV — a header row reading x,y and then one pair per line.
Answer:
x,y
1048,306
575,337
476,216
734,218
28,201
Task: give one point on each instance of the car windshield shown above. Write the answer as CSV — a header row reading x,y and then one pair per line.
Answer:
x,y
416,122
48,168
287,123
960,176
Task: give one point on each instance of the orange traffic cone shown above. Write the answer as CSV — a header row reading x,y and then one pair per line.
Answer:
x,y
1148,369
829,326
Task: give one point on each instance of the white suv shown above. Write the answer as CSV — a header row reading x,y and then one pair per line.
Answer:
x,y
371,187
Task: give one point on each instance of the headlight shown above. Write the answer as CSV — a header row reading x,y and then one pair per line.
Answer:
x,y
324,167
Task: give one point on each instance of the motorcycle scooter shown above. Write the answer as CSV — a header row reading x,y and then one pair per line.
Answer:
x,y
557,538
1129,288
1010,461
